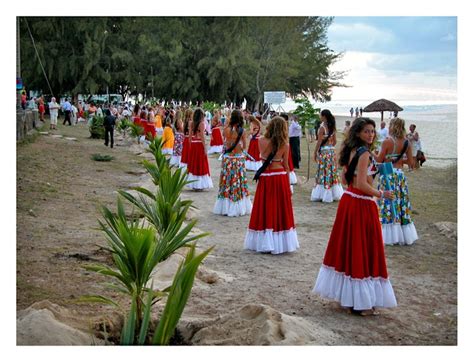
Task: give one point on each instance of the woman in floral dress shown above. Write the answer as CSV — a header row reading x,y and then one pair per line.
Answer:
x,y
397,225
233,198
327,185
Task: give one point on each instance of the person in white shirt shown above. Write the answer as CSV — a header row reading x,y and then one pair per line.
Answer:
x,y
295,134
53,113
382,133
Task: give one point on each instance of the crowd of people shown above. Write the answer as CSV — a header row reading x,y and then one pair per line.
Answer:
x,y
370,214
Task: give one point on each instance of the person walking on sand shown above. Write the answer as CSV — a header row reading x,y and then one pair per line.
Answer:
x,y
67,112
291,166
53,113
351,111
233,198
354,271
272,227
109,126
327,186
397,225
198,164
347,127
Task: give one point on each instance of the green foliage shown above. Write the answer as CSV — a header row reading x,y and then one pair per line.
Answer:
x,y
210,106
137,250
306,113
96,128
186,58
136,131
101,158
124,125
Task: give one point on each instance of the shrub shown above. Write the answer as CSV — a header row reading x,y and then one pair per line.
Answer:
x,y
101,158
96,127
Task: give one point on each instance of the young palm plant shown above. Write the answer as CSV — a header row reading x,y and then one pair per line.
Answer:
x,y
136,131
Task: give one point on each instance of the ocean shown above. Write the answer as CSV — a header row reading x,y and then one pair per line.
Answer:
x,y
436,124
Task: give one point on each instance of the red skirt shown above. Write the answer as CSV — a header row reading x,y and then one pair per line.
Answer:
x,y
198,164
272,226
216,139
290,160
254,150
184,153
354,271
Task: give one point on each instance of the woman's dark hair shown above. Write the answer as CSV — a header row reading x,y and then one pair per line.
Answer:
x,y
353,140
236,118
197,118
143,115
136,109
107,112
330,120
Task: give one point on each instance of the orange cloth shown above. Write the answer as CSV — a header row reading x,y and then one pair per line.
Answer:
x,y
168,138
158,123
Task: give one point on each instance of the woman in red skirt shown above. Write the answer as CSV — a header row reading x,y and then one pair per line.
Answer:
x,y
254,163
216,135
354,272
188,122
272,227
198,165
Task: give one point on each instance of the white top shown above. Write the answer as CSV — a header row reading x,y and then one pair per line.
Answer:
x,y
382,134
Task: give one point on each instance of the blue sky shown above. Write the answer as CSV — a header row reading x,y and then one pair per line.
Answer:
x,y
406,58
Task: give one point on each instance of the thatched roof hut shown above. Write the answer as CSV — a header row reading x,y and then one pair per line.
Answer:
x,y
382,105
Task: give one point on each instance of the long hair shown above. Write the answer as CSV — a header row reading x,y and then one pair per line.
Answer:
x,y
396,128
188,115
353,140
136,109
197,118
277,132
330,120
236,119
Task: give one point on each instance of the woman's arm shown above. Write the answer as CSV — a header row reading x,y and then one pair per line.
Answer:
x,y
361,182
318,143
410,160
380,157
285,158
343,176
244,140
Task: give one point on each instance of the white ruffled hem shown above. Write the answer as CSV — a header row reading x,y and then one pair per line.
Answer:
x,y
175,160
319,193
199,182
399,234
293,179
167,151
214,149
231,208
360,294
273,242
253,165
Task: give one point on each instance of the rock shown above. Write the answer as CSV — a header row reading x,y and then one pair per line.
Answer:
x,y
257,324
71,138
448,229
57,136
39,325
31,213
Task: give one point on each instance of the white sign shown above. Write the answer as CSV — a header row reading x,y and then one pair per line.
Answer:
x,y
274,97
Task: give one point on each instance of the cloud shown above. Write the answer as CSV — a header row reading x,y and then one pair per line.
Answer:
x,y
368,79
344,37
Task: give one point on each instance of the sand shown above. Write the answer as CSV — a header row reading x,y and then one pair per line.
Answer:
x,y
234,286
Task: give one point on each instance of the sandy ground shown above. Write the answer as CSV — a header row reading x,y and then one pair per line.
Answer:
x,y
59,189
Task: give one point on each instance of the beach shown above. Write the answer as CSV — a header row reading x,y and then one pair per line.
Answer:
x,y
239,297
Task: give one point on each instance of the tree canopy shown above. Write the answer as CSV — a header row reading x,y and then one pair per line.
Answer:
x,y
186,58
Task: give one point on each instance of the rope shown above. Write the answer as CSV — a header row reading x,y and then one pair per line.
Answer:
x,y
37,55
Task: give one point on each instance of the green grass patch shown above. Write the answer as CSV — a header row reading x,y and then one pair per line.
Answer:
x,y
101,158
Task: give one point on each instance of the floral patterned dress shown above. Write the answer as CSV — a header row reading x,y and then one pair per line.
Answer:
x,y
395,215
328,186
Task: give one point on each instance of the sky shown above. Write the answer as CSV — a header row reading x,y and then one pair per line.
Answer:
x,y
410,59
